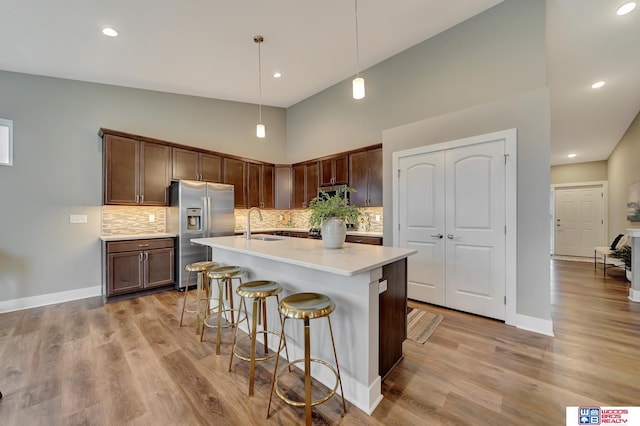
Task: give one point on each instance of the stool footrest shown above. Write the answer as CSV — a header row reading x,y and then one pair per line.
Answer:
x,y
302,403
237,321
257,358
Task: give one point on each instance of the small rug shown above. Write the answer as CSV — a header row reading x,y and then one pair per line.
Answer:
x,y
421,324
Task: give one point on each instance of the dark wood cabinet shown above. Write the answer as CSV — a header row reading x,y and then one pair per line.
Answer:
x,y
136,265
267,187
365,176
235,174
334,170
376,241
135,172
305,184
393,316
282,187
195,165
260,185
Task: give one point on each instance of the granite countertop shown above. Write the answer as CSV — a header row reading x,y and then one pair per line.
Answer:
x,y
135,237
350,260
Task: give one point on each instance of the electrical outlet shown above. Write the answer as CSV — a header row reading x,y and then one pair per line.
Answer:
x,y
377,218
78,218
152,218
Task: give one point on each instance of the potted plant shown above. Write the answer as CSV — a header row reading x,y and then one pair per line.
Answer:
x,y
332,213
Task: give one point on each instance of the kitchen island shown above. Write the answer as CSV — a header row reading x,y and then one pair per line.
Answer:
x,y
368,285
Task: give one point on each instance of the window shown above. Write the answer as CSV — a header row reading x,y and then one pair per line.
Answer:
x,y
6,142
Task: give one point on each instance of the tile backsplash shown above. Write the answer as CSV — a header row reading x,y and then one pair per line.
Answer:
x,y
128,220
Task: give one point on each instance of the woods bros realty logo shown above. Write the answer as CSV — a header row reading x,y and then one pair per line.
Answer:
x,y
603,415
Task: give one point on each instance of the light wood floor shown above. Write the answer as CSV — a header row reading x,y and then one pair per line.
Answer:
x,y
128,363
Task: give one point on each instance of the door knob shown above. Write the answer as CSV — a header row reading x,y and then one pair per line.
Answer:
x,y
437,236
450,236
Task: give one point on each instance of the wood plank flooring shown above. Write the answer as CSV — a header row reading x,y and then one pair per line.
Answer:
x,y
128,363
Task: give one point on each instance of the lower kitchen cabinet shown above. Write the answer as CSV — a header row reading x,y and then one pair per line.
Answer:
x,y
136,265
376,241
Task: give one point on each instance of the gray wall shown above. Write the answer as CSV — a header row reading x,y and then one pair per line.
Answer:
x,y
580,172
623,169
58,167
494,55
483,75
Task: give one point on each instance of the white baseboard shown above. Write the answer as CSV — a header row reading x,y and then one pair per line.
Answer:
x,y
536,325
49,299
634,295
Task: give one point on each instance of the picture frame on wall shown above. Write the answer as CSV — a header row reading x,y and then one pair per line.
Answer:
x,y
6,142
633,202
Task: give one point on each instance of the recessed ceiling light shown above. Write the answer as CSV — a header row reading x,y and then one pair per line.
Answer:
x,y
597,84
277,74
626,8
571,155
109,32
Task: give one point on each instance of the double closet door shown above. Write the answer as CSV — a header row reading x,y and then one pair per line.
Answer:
x,y
451,209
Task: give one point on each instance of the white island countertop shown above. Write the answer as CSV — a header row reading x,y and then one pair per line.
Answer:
x,y
350,260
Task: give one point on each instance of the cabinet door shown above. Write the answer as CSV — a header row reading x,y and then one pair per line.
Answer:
x,y
298,192
267,187
334,170
159,267
359,178
253,185
375,177
234,174
210,167
311,183
327,172
185,164
120,170
283,187
125,273
341,167
154,174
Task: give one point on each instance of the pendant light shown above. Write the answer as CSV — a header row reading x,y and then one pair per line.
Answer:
x,y
358,82
261,131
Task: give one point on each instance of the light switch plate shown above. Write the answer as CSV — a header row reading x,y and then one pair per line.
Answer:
x,y
152,218
78,218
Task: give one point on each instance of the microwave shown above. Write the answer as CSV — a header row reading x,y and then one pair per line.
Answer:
x,y
332,190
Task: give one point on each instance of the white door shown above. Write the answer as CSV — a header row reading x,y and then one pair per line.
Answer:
x,y
421,214
451,210
579,220
475,211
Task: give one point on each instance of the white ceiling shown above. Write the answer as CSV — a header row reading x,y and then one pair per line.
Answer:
x,y
205,48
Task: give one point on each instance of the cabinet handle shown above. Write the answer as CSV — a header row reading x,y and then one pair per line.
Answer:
x,y
437,236
140,257
146,256
141,199
450,236
143,245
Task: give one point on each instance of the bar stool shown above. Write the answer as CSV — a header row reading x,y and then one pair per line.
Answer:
x,y
224,276
202,282
258,291
306,306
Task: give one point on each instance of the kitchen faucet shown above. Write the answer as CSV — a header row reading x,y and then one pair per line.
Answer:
x,y
248,236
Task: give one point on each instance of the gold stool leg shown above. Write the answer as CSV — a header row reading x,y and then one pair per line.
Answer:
x,y
220,308
199,319
254,329
335,356
307,372
243,305
275,369
184,299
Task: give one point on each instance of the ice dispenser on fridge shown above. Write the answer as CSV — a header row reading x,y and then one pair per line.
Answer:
x,y
194,219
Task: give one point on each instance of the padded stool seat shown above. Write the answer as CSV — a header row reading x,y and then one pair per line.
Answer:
x,y
306,306
224,276
202,283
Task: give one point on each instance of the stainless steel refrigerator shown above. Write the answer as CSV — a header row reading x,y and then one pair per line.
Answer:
x,y
198,210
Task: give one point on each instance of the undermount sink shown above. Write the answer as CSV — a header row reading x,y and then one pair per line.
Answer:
x,y
268,237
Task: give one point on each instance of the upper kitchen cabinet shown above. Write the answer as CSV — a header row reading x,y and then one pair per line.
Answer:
x,y
334,170
305,184
135,172
195,165
365,176
235,172
260,180
282,187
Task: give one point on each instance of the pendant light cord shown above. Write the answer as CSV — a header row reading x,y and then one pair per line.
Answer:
x,y
259,83
357,44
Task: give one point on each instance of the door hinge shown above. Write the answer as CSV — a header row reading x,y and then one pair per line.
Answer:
x,y
505,158
505,300
398,173
505,229
398,226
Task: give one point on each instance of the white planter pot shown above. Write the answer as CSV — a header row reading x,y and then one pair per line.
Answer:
x,y
334,232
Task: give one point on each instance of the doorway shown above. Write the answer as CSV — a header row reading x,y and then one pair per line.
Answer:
x,y
579,218
455,204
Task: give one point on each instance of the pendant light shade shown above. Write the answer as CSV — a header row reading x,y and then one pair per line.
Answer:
x,y
358,82
261,130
